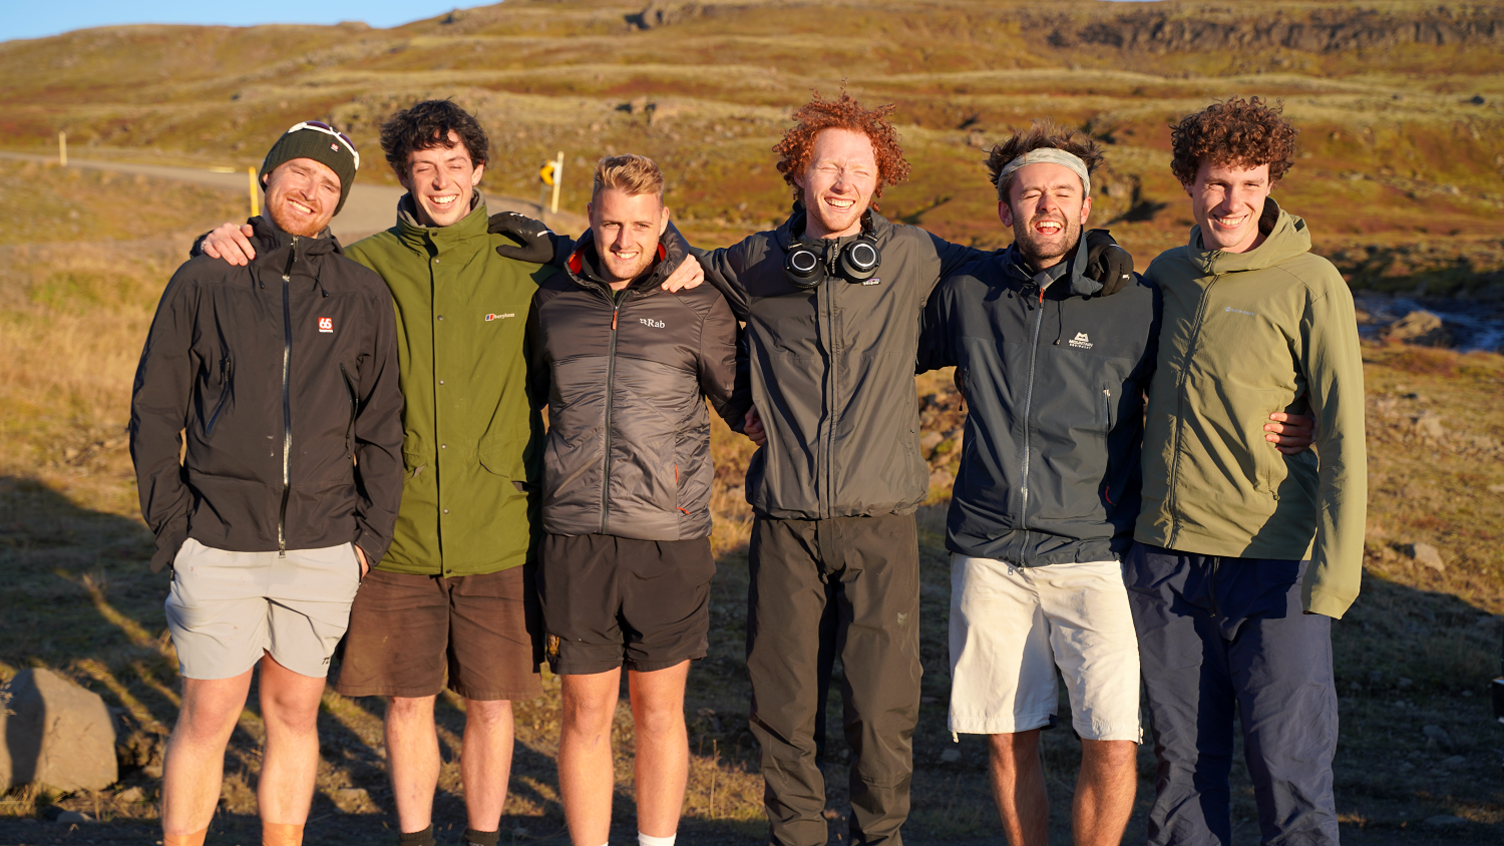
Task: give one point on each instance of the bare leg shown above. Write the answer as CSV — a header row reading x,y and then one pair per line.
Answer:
x,y
1018,788
486,761
662,765
412,759
586,773
1104,791
290,765
195,760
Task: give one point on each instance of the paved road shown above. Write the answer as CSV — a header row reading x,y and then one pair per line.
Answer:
x,y
370,208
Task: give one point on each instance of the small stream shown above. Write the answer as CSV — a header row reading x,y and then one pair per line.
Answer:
x,y
1474,325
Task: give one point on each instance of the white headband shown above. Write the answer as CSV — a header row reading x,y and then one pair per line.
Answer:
x,y
1050,155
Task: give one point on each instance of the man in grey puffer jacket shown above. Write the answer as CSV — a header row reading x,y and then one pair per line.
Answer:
x,y
625,563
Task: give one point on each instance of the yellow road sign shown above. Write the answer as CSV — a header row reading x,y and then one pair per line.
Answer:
x,y
546,173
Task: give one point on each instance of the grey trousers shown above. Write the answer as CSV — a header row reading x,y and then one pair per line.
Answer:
x,y
869,568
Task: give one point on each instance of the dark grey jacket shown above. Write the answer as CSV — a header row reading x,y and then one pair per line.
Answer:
x,y
282,377
1054,381
832,372
625,378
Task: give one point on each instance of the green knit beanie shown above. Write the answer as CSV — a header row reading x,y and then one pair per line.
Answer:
x,y
305,141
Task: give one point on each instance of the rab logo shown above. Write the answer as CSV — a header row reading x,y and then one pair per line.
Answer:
x,y
647,321
1081,341
491,317
326,324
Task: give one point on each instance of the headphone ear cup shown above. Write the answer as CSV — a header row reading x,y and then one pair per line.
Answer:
x,y
802,267
860,260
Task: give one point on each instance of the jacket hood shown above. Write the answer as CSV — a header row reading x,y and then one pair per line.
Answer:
x,y
1078,284
583,265
1286,237
289,255
270,238
411,232
792,230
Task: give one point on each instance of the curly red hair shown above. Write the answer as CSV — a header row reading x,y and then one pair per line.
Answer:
x,y
1240,132
798,144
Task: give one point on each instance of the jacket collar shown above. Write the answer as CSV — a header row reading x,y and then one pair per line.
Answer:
x,y
415,234
292,255
583,265
1071,273
1285,237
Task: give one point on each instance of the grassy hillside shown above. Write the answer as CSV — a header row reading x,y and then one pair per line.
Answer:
x,y
1401,104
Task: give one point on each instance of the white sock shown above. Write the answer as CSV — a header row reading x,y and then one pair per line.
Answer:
x,y
650,840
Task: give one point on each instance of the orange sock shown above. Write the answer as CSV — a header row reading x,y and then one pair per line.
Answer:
x,y
280,834
194,839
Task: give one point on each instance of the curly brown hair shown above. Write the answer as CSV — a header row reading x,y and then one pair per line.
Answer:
x,y
1240,132
1041,134
427,125
798,144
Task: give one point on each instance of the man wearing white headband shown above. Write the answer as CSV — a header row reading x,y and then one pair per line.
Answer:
x,y
1045,501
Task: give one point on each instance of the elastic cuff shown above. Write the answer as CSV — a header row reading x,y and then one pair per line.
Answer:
x,y
482,838
417,838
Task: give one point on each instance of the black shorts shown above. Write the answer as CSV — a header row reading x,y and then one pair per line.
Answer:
x,y
610,602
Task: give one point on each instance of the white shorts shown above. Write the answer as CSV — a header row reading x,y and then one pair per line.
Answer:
x,y
226,609
1011,626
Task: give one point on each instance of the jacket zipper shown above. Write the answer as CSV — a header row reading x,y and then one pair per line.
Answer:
x,y
827,508
292,256
224,394
354,405
606,429
1180,399
1023,505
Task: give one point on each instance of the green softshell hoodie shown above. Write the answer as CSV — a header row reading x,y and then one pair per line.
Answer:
x,y
1245,335
471,441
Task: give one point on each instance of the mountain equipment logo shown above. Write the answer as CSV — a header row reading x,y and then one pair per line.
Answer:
x,y
326,324
491,317
648,321
1081,342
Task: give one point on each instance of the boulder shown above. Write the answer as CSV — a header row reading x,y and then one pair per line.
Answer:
x,y
1427,556
1418,327
56,733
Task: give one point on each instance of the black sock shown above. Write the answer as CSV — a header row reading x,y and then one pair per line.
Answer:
x,y
482,838
417,838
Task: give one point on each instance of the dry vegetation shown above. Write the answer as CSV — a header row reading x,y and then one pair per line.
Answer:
x,y
1401,175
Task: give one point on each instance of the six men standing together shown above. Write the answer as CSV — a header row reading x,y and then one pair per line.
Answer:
x,y
806,340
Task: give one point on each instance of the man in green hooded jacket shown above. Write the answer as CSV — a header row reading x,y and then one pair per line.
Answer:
x,y
1246,551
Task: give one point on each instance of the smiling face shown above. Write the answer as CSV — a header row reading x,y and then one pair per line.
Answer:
x,y
1227,201
301,195
441,181
1046,209
626,229
838,183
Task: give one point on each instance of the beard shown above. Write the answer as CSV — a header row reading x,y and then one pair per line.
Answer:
x,y
1043,251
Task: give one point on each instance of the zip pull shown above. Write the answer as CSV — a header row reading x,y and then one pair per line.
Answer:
x,y
292,256
614,310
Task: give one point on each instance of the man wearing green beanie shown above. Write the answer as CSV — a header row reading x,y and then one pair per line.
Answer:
x,y
276,383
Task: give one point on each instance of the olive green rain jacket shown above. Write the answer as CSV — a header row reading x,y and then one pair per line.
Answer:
x,y
1245,335
471,442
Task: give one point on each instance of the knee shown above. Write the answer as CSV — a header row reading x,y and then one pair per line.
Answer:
x,y
1014,751
488,713
588,713
659,722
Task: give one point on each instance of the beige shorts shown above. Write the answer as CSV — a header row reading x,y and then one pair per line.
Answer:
x,y
226,609
1010,627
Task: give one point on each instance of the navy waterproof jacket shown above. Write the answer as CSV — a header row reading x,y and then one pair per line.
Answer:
x,y
1054,380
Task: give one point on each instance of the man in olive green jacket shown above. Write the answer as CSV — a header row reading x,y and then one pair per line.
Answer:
x,y
1246,551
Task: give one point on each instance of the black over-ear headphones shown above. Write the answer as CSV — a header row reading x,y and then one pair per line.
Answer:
x,y
810,262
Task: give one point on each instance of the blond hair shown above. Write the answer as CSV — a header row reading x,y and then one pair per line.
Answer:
x,y
630,174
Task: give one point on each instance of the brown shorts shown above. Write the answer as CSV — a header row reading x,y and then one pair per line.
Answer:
x,y
406,629
610,601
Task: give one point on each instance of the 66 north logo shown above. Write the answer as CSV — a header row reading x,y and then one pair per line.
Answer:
x,y
326,324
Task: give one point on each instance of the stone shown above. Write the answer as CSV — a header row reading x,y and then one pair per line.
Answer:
x,y
1437,735
1444,821
130,795
57,734
1453,762
1428,425
73,818
931,440
1419,327
1496,489
950,756
942,479
1427,555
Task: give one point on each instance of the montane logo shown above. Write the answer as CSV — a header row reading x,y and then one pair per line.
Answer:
x,y
656,324
1239,311
1081,342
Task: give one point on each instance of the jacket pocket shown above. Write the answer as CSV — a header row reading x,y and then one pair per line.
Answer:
x,y
226,377
354,407
506,456
414,462
1107,409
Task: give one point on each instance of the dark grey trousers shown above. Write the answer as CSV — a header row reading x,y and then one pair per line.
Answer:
x,y
869,568
1221,640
